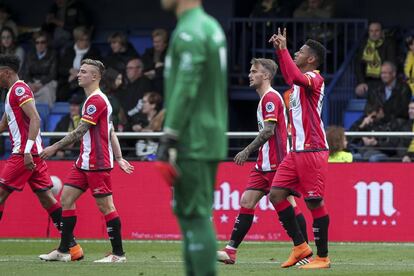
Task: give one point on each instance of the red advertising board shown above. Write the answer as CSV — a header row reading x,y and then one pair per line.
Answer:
x,y
366,202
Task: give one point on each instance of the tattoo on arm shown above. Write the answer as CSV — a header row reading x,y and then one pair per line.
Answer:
x,y
73,136
264,135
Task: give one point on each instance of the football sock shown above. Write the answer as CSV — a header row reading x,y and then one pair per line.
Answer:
x,y
55,213
320,230
67,226
199,246
287,218
1,210
113,227
300,218
241,226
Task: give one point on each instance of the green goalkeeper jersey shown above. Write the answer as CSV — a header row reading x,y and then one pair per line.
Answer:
x,y
196,87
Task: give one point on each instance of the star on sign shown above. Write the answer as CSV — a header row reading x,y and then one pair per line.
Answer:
x,y
224,218
384,222
255,219
355,222
393,222
374,222
365,222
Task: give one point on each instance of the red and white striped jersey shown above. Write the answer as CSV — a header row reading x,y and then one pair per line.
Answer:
x,y
272,108
96,148
305,109
19,94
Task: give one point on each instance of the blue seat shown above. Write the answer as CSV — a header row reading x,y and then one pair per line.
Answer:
x,y
350,117
140,42
43,110
53,120
356,105
60,107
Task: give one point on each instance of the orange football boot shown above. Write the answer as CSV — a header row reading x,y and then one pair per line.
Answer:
x,y
298,253
317,263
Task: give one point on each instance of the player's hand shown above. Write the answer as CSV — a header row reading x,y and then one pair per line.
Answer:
x,y
28,161
279,40
167,156
125,166
48,152
241,157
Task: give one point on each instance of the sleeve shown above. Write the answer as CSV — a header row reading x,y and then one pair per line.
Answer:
x,y
290,71
270,107
93,110
22,94
190,51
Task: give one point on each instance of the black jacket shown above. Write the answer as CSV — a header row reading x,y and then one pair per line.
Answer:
x,y
40,69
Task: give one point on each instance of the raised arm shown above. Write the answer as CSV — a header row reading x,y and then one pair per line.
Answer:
x,y
290,71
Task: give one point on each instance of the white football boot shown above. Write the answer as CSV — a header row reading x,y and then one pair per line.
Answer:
x,y
56,256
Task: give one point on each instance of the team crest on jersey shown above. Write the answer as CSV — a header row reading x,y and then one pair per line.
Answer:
x,y
90,109
270,107
20,91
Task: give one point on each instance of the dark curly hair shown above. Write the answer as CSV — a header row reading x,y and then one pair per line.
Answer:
x,y
10,61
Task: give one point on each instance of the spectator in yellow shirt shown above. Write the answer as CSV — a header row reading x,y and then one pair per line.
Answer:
x,y
409,63
337,143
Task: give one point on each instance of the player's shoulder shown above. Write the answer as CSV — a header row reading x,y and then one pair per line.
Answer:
x,y
20,88
273,96
315,75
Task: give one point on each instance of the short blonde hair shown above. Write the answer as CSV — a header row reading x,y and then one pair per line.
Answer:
x,y
94,62
269,65
160,32
80,31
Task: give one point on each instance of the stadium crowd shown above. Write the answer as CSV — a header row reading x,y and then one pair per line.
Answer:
x,y
51,55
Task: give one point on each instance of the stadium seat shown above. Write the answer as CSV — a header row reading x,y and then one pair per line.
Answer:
x,y
60,108
140,42
43,110
53,120
354,111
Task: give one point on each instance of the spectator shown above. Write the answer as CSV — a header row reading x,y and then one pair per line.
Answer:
x,y
121,52
154,57
40,70
337,144
134,89
273,9
63,17
406,145
5,20
9,45
375,50
393,95
68,123
151,120
110,84
317,9
71,60
371,148
409,63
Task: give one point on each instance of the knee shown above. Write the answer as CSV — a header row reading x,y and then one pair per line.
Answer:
x,y
67,203
46,199
313,204
106,208
276,196
248,204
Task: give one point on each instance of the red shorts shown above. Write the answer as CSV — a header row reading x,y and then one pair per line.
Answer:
x,y
99,182
14,175
260,181
303,172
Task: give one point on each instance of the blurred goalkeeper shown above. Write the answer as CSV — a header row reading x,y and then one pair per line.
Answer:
x,y
195,126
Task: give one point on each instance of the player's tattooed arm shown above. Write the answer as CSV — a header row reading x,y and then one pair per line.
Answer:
x,y
264,135
73,136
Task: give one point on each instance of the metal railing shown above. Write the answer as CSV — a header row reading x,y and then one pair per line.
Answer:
x,y
249,37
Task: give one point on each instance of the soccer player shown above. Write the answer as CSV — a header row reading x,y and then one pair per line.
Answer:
x,y
272,143
304,168
25,165
195,126
93,167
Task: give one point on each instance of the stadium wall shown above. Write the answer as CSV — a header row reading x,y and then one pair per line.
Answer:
x,y
367,202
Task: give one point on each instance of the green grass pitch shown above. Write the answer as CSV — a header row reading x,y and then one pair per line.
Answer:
x,y
19,257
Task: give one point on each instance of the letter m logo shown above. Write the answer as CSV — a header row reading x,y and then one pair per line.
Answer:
x,y
374,196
